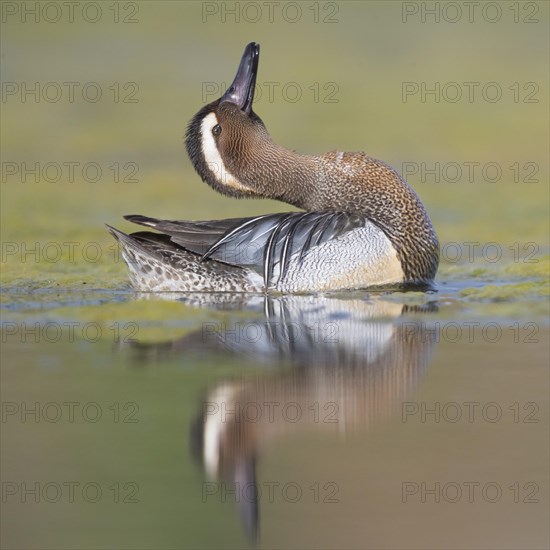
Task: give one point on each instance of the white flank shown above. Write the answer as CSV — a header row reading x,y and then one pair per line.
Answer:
x,y
212,155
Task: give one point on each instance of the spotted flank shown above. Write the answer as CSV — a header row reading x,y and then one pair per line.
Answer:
x,y
157,265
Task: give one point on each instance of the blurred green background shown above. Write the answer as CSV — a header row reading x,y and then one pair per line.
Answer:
x,y
357,54
359,59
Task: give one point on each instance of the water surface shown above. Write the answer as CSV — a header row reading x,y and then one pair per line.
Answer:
x,y
361,420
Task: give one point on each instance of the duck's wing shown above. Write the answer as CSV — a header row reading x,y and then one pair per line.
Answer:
x,y
197,236
264,244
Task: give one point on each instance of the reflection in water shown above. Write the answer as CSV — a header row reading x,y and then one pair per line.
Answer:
x,y
341,365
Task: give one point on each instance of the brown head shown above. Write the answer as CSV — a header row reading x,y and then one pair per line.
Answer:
x,y
232,150
221,133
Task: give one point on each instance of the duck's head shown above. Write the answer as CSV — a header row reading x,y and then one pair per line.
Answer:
x,y
224,137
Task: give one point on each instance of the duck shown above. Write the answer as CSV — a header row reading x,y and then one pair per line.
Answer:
x,y
360,225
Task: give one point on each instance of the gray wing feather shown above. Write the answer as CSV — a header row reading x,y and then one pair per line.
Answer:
x,y
265,244
196,236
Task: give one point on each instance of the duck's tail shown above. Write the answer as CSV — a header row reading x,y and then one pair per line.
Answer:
x,y
157,264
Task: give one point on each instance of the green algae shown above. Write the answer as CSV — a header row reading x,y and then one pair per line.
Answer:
x,y
536,268
507,292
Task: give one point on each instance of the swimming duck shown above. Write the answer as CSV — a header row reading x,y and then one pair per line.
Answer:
x,y
362,224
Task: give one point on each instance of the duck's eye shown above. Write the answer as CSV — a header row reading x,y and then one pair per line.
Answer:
x,y
217,130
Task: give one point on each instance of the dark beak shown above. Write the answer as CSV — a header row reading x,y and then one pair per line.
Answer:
x,y
241,91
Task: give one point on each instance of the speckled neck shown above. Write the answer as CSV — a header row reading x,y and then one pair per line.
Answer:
x,y
351,182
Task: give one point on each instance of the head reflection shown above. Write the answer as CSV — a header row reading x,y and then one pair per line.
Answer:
x,y
341,365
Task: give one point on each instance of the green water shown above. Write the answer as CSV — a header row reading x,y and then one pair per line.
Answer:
x,y
424,416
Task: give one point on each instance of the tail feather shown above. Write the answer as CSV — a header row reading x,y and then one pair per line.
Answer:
x,y
157,264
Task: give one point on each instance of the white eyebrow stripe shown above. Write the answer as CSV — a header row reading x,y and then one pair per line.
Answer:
x,y
212,156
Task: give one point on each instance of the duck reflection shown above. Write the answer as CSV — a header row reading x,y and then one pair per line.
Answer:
x,y
341,365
